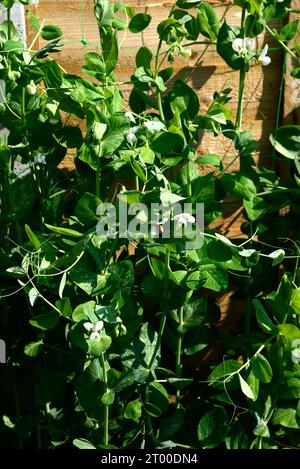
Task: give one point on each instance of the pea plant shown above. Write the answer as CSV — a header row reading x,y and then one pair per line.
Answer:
x,y
114,332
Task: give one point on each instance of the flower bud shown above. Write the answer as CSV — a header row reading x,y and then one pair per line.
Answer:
x,y
31,88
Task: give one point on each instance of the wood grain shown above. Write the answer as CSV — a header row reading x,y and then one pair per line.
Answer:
x,y
205,70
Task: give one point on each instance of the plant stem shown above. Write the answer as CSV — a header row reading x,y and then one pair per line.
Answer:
x,y
158,340
188,177
282,43
106,407
98,177
8,23
239,116
179,354
165,310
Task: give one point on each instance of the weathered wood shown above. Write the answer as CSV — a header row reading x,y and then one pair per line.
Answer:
x,y
292,85
206,69
206,72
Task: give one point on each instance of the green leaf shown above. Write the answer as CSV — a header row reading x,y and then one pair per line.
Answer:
x,y
261,429
285,302
33,238
143,58
211,159
289,31
86,209
104,13
286,140
183,99
108,397
138,355
13,46
147,155
34,348
255,207
84,312
246,388
171,424
194,313
49,32
69,137
180,383
97,347
89,389
133,410
227,34
34,21
239,185
139,22
253,383
237,437
64,231
110,49
158,396
81,443
208,21
167,143
285,416
208,276
197,339
106,314
262,318
45,321
261,368
212,428
95,66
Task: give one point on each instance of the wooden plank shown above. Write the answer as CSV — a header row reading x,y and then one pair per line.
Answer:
x,y
206,70
291,111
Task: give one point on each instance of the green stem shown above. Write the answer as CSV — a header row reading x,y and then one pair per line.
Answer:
x,y
137,184
286,48
239,115
179,354
156,71
158,341
188,177
106,407
98,177
9,23
165,310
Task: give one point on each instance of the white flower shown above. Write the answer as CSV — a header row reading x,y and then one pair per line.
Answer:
x,y
40,159
94,329
130,117
184,52
33,2
31,88
182,219
243,46
154,126
130,134
263,57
